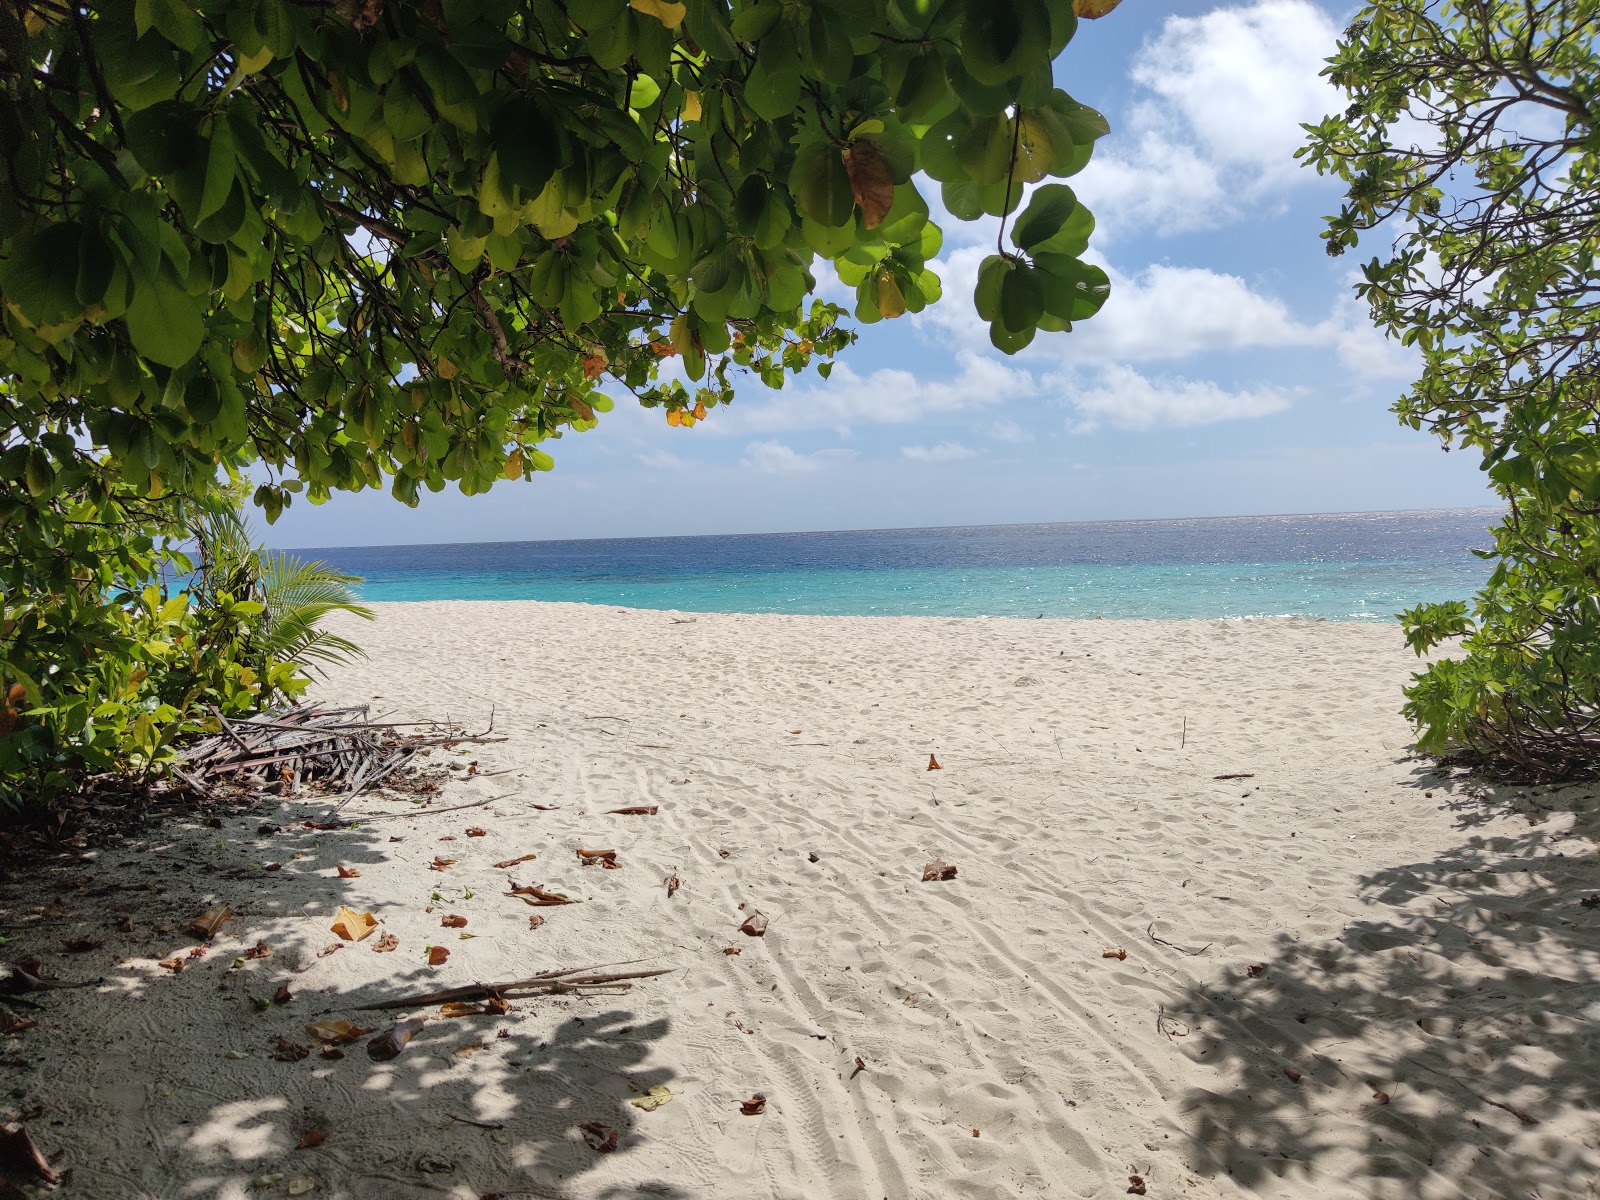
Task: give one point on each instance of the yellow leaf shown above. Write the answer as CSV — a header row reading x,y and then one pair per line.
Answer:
x,y
1093,8
653,1099
674,416
691,106
351,925
446,369
513,468
668,13
891,303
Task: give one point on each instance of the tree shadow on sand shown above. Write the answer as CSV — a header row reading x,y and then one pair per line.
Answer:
x,y
1444,1046
175,1084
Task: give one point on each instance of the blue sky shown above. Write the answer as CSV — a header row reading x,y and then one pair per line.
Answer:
x,y
1232,370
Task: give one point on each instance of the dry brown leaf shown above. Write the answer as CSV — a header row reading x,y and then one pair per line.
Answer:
x,y
283,995
601,1138
860,1067
1292,1075
723,853
311,1139
755,925
173,964
388,1044
385,943
198,951
329,949
730,951
205,926
535,920
933,764
460,1008
10,1022
332,1052
437,955
672,884
1116,952
288,1050
636,810
538,896
511,862
19,1153
81,945
1093,9
440,863
348,872
871,181
754,1106
1135,1183
593,856
476,832
259,950
545,807
937,870
453,922
1256,970
1381,1097
351,925
335,1032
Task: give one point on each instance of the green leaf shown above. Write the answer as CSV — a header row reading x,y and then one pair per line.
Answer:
x,y
1021,299
165,323
41,275
821,185
1047,211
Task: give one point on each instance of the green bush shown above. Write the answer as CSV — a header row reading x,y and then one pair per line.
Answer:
x,y
114,644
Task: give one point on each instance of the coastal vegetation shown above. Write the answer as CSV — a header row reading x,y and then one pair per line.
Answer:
x,y
356,244
1473,132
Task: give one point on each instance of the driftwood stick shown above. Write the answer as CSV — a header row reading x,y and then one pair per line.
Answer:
x,y
572,979
429,812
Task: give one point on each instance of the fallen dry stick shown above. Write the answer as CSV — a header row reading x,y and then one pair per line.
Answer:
x,y
571,979
1150,929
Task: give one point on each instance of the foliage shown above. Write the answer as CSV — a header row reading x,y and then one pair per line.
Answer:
x,y
230,229
338,245
1472,128
112,646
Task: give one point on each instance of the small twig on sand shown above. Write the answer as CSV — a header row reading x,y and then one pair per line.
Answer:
x,y
479,1124
429,812
1184,739
572,979
1241,775
1170,1027
627,719
1515,1112
1151,930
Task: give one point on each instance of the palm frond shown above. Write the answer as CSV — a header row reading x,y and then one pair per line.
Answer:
x,y
299,595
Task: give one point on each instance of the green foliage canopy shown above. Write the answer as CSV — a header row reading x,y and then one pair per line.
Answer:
x,y
1474,132
366,242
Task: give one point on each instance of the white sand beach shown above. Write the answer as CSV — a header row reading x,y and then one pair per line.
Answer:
x,y
1335,921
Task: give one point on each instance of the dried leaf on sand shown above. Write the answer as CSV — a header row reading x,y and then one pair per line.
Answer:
x,y
1116,952
437,955
636,810
511,862
601,1138
335,1032
351,925
452,921
754,1106
385,943
933,764
391,1042
653,1099
348,872
755,925
937,870
19,1153
205,926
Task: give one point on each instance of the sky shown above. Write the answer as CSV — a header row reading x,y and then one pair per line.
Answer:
x,y
1232,371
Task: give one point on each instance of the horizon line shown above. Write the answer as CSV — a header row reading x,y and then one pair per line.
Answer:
x,y
1376,512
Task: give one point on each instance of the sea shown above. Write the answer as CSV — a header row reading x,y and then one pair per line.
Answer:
x,y
1336,566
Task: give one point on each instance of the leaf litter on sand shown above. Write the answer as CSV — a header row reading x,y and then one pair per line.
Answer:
x,y
672,884
437,955
754,1106
938,870
351,925
19,1152
601,1138
538,896
636,810
392,1042
385,943
336,1032
755,925
205,926
511,862
452,921
606,858
654,1098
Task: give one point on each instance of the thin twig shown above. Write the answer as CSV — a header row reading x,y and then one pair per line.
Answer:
x,y
430,812
1151,930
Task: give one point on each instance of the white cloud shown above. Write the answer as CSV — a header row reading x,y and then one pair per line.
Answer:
x,y
1218,118
663,460
942,453
1161,312
886,397
1006,430
775,458
1124,399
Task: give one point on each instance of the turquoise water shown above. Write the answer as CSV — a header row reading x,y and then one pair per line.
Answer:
x,y
1344,567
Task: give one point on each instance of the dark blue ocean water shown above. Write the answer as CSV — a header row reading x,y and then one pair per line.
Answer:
x,y
1351,566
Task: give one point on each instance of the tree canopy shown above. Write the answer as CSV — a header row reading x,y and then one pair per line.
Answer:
x,y
362,241
341,244
1472,133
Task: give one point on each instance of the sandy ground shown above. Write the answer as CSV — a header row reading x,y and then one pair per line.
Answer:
x,y
1340,922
